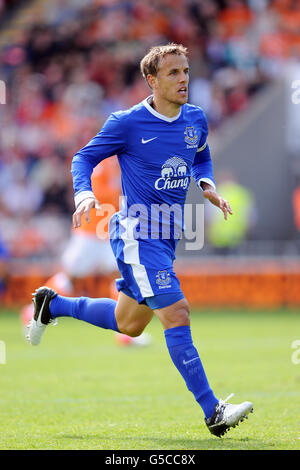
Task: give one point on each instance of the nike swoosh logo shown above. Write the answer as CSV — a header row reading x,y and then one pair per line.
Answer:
x,y
38,321
186,362
148,140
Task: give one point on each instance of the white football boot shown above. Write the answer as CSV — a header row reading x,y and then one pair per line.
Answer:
x,y
227,416
42,317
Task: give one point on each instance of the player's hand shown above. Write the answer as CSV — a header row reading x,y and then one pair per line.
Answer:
x,y
84,208
218,201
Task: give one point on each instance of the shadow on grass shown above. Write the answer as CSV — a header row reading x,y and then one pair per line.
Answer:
x,y
155,443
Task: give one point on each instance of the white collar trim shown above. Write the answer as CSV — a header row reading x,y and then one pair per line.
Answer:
x,y
158,115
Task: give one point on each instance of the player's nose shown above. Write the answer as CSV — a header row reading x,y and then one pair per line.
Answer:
x,y
183,79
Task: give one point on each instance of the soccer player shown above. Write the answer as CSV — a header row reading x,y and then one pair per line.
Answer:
x,y
160,144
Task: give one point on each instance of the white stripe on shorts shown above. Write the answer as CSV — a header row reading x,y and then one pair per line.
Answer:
x,y
131,256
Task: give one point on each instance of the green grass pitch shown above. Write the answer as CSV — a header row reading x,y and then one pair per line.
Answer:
x,y
80,390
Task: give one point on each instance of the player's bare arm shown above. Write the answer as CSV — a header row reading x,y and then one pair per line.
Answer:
x,y
210,193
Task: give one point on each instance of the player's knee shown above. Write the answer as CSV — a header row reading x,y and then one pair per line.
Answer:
x,y
180,313
181,316
132,330
175,315
131,326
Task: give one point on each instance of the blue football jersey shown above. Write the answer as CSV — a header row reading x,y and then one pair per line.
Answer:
x,y
157,157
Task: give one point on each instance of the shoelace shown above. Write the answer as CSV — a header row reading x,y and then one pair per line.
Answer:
x,y
221,405
223,402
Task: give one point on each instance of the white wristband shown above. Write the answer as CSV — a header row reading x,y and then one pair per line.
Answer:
x,y
206,180
82,196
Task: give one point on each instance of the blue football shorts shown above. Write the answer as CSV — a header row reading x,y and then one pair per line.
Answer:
x,y
155,283
157,288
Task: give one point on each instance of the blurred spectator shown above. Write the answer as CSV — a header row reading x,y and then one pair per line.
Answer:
x,y
8,6
296,207
225,237
4,260
21,196
88,250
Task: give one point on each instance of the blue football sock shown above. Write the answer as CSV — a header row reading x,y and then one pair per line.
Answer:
x,y
186,358
98,312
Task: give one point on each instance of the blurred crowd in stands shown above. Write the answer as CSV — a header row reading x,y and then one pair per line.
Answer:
x,y
7,7
79,60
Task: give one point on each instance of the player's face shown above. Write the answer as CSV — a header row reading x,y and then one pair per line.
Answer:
x,y
171,81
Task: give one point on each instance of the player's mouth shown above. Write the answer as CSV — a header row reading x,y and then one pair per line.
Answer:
x,y
183,91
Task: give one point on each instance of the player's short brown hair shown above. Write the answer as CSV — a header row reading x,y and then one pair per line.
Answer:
x,y
150,63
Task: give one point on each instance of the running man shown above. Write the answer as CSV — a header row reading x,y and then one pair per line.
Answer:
x,y
160,144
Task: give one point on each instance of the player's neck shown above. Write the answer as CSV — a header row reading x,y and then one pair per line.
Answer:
x,y
166,108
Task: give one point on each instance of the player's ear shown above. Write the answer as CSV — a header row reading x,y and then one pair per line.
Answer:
x,y
151,79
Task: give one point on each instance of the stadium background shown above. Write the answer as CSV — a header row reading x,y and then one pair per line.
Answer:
x,y
67,64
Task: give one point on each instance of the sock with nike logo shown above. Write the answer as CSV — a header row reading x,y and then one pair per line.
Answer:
x,y
186,359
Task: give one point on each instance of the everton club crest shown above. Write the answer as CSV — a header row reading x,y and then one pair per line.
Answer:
x,y
191,137
163,278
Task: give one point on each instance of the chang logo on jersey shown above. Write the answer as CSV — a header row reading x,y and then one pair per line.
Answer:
x,y
191,137
173,175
